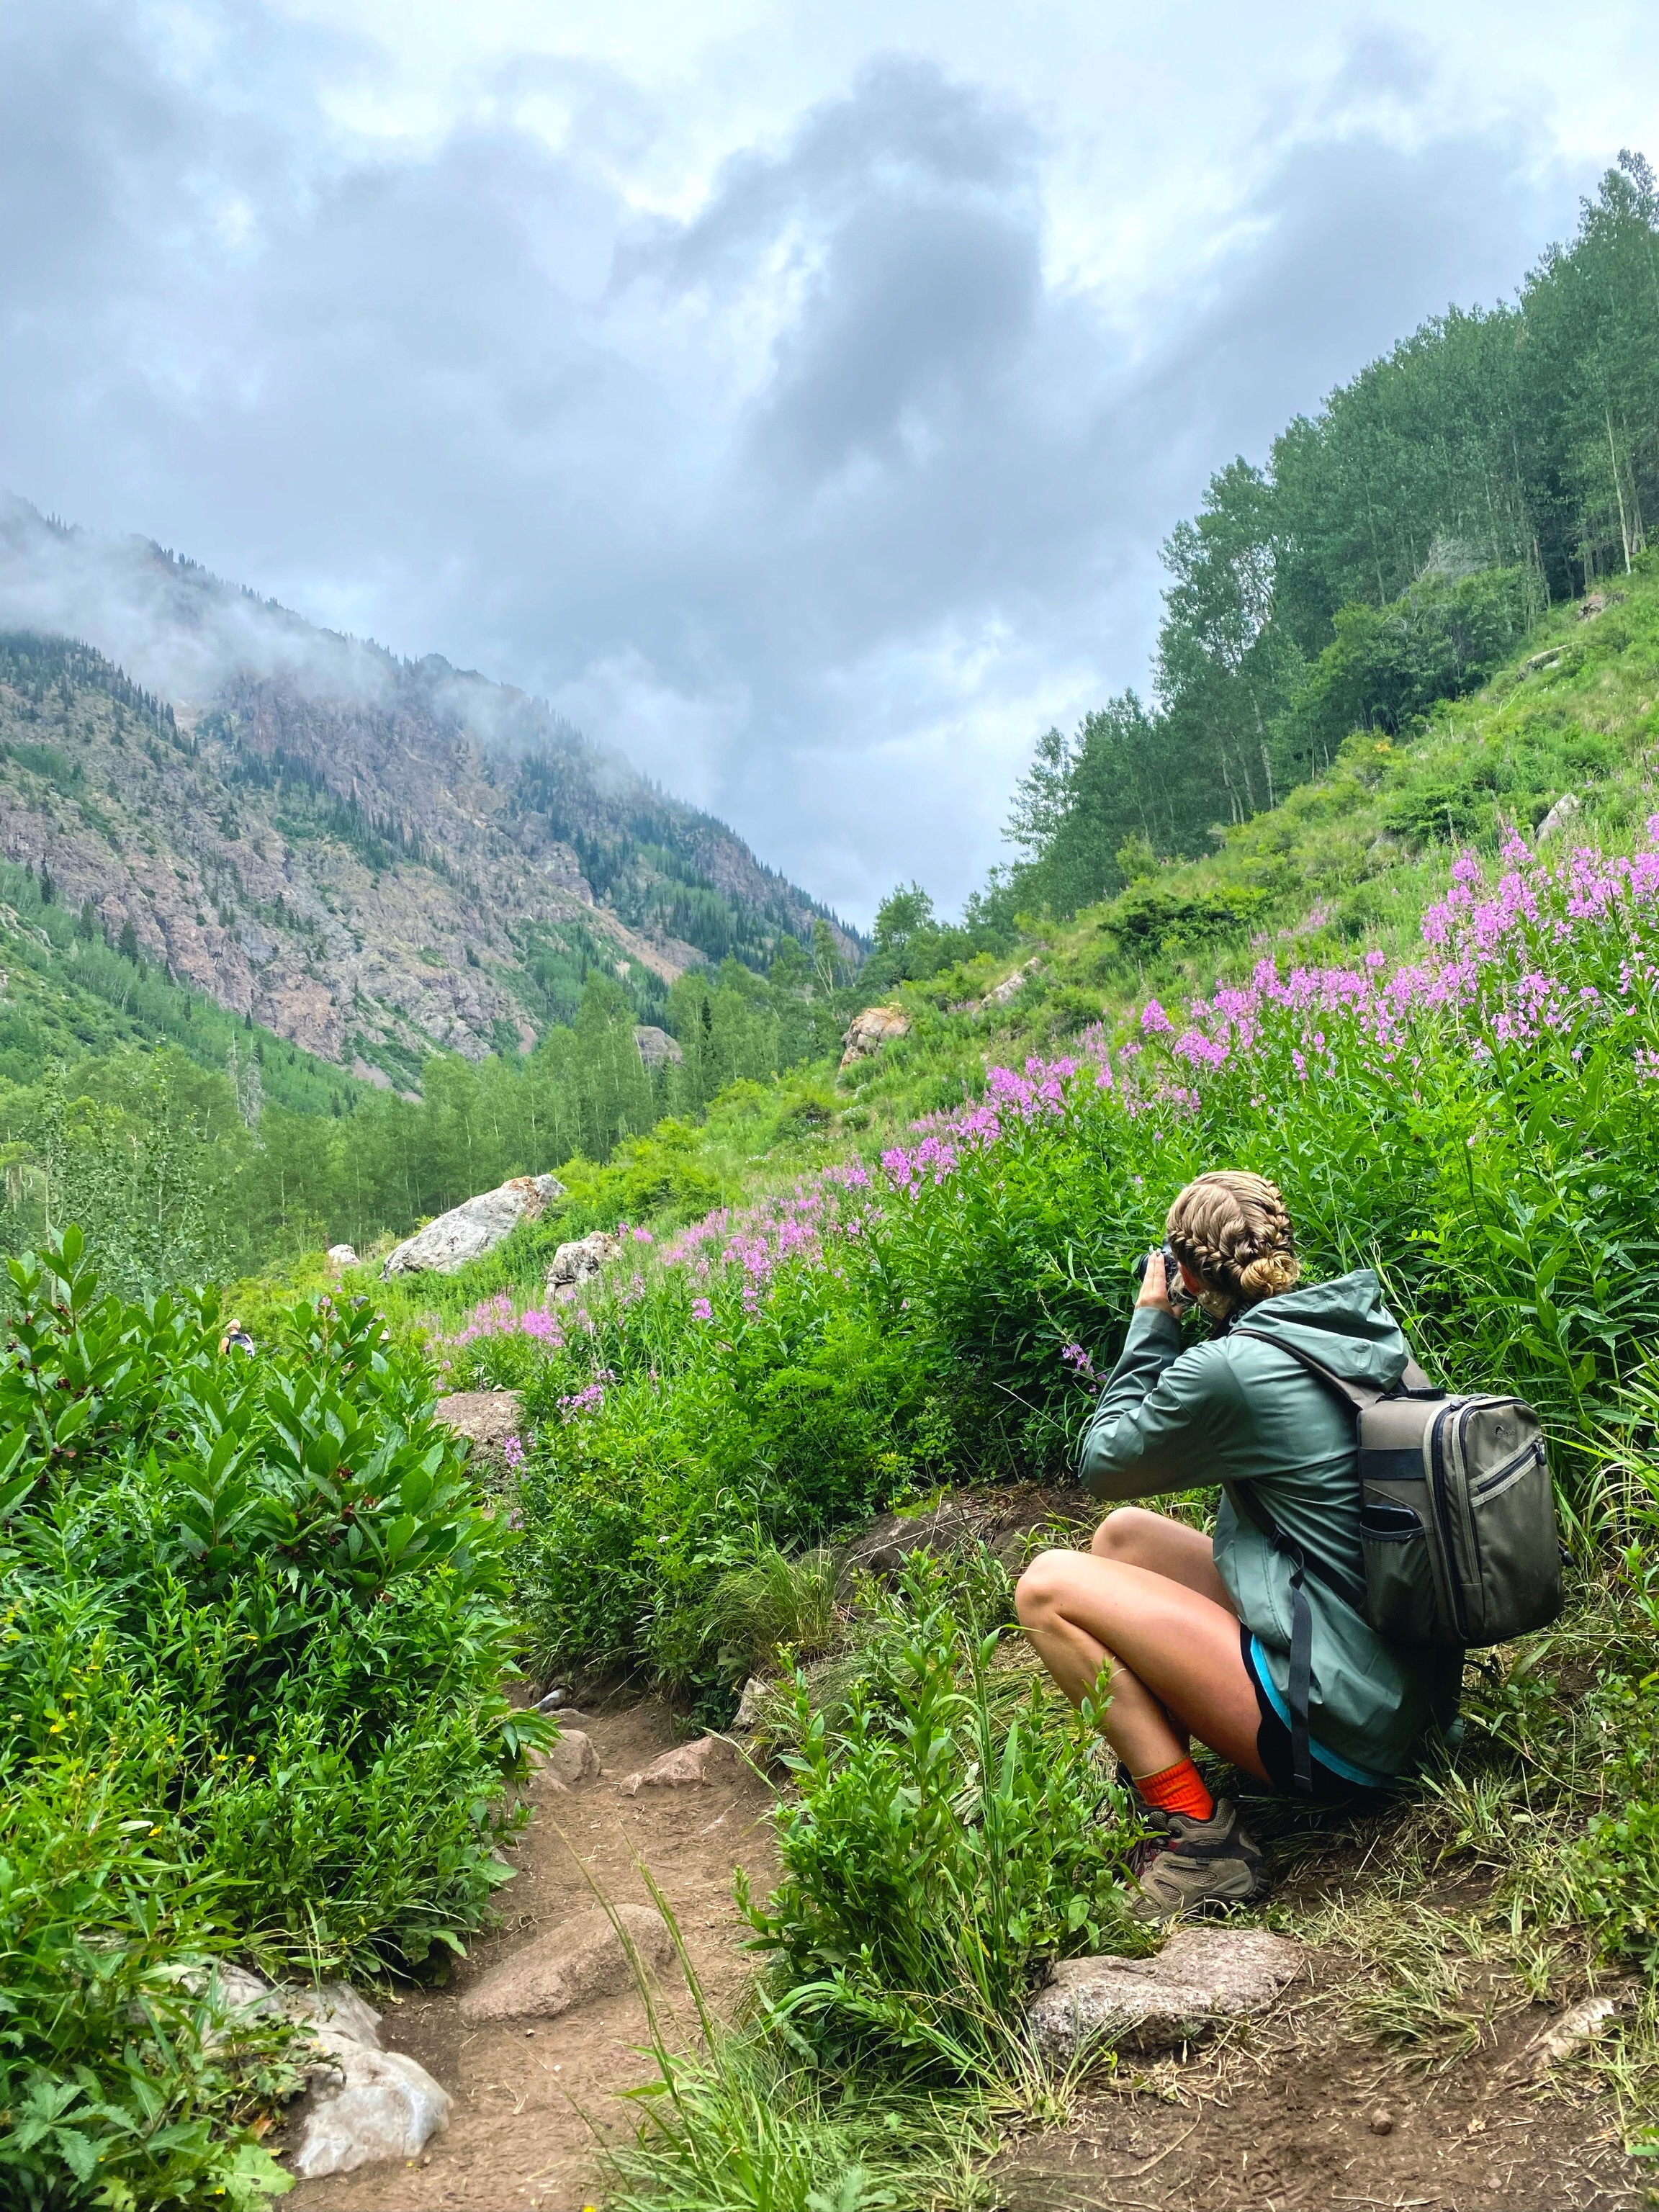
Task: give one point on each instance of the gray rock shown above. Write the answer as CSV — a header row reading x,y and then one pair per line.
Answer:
x,y
657,1048
334,2012
890,1539
467,1232
572,1760
1011,986
748,1716
688,1766
238,1989
340,1256
1580,2024
582,1957
869,1031
362,2105
1559,816
1201,1976
582,1260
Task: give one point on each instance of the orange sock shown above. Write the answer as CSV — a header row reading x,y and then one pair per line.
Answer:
x,y
1178,1789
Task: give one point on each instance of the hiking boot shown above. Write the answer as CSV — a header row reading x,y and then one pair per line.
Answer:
x,y
1194,1864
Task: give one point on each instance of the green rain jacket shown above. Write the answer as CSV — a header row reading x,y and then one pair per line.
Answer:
x,y
1238,1410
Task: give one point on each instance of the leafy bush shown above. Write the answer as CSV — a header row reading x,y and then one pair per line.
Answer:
x,y
1387,664
254,1633
950,1835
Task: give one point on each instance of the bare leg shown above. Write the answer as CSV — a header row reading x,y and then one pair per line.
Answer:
x,y
1142,1539
1170,1648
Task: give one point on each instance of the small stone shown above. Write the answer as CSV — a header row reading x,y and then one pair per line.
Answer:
x,y
1380,2122
583,1957
688,1766
1580,2023
365,2105
1201,1976
555,1697
570,1761
1559,816
340,1256
747,1717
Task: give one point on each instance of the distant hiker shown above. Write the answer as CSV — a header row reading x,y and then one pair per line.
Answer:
x,y
1197,1634
236,1339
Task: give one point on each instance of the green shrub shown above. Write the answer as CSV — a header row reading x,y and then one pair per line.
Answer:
x,y
950,1835
255,1623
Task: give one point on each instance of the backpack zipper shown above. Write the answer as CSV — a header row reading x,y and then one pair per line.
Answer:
x,y
1510,1470
1441,1512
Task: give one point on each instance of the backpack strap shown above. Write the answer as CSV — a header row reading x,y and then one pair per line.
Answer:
x,y
1358,1397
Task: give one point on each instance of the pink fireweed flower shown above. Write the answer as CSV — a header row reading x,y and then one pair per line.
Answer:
x,y
702,1310
514,1453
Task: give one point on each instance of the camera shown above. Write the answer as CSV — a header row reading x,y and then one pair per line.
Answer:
x,y
1181,1298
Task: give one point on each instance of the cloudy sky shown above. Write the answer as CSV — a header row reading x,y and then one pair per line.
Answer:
x,y
797,396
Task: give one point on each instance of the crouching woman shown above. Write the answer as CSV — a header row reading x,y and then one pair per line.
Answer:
x,y
1197,1636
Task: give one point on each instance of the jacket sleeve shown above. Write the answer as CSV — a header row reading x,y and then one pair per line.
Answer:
x,y
1153,1430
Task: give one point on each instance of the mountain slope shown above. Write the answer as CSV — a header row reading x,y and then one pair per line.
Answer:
x,y
374,857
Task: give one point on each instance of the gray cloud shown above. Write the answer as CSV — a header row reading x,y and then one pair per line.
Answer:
x,y
818,503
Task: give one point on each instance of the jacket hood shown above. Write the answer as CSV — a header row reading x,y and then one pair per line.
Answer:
x,y
1343,1323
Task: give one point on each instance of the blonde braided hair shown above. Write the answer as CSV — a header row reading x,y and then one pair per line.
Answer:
x,y
1232,1230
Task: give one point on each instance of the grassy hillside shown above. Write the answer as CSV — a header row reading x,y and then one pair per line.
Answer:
x,y
851,1290
1352,859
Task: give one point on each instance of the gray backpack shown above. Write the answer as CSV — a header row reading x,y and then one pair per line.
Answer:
x,y
1456,1522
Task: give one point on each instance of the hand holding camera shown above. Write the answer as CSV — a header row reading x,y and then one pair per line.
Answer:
x,y
1162,1283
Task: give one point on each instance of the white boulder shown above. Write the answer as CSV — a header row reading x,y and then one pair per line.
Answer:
x,y
581,1262
340,1256
657,1048
362,2105
467,1232
1559,817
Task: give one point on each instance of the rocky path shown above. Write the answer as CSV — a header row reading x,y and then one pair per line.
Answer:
x,y
531,2093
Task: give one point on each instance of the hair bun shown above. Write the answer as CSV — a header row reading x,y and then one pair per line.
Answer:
x,y
1273,1272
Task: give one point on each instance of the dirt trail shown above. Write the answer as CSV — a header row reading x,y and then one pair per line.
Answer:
x,y
1299,2116
520,2133
1281,2115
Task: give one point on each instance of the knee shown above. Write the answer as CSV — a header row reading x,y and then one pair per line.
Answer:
x,y
1121,1534
1039,1588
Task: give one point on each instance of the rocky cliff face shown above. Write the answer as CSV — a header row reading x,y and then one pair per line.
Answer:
x,y
374,857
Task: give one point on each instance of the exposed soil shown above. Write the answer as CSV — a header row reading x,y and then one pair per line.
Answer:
x,y
529,2094
1295,2114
